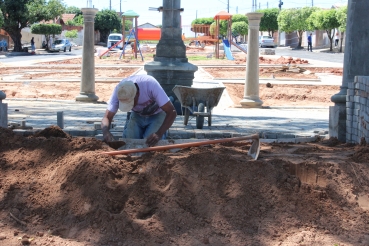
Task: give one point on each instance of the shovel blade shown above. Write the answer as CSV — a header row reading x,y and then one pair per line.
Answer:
x,y
254,149
116,144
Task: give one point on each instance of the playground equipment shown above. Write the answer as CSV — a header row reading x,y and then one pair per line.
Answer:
x,y
142,34
222,15
240,47
132,33
195,100
227,50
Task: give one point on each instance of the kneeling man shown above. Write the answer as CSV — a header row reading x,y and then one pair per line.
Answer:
x,y
151,111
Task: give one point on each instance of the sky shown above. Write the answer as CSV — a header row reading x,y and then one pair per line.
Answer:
x,y
197,8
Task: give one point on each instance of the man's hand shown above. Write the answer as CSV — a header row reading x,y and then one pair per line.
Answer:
x,y
108,137
153,139
105,125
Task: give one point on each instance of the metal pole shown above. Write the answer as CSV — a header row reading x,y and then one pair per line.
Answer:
x,y
312,3
110,4
228,6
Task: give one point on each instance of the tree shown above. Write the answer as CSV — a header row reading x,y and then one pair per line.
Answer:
x,y
105,21
203,21
325,19
341,15
269,22
54,9
128,24
71,34
47,30
1,19
240,28
19,14
290,20
73,10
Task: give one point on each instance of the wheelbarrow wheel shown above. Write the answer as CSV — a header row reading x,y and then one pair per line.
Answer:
x,y
186,116
200,118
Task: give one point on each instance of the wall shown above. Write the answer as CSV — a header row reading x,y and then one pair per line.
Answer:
x,y
357,108
27,35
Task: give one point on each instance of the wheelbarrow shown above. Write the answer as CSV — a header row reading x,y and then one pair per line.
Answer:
x,y
196,100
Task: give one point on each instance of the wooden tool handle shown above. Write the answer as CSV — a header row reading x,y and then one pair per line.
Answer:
x,y
180,146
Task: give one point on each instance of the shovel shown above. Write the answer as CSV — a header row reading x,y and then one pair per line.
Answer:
x,y
116,144
253,151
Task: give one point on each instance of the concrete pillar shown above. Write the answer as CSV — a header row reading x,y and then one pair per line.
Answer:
x,y
251,93
3,111
87,93
354,64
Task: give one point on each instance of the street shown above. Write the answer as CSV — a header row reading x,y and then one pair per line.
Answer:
x,y
41,56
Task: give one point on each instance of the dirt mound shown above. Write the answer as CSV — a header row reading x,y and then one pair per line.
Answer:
x,y
52,131
282,60
361,154
63,191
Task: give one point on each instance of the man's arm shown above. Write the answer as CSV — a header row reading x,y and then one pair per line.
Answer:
x,y
170,116
105,126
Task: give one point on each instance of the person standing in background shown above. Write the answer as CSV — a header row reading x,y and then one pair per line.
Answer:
x,y
33,48
310,42
337,39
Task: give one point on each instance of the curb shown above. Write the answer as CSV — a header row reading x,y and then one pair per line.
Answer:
x,y
265,137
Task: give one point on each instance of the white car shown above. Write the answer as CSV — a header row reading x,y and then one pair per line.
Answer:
x,y
266,41
61,45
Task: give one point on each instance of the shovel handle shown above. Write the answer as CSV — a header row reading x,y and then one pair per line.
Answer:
x,y
180,146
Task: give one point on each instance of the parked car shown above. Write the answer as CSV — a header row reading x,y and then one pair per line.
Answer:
x,y
266,41
113,39
61,44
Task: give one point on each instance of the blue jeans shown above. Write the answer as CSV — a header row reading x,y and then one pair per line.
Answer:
x,y
140,127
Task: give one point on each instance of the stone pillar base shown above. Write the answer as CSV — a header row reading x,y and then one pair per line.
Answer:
x,y
87,97
251,102
3,115
337,121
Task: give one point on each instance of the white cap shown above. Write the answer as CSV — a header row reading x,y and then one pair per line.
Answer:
x,y
126,93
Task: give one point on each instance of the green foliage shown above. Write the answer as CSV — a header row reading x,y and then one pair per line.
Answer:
x,y
269,22
240,28
212,28
341,15
204,21
127,25
54,9
223,26
73,10
18,14
290,20
71,34
1,19
78,20
324,19
239,18
46,29
105,21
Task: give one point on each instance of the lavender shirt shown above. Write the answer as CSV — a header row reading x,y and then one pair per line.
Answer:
x,y
151,98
